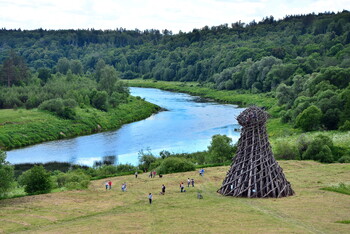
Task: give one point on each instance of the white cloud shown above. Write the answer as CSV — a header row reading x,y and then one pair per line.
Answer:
x,y
174,15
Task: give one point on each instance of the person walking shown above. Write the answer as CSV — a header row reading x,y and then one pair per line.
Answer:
x,y
192,182
188,182
163,189
110,184
107,185
136,174
182,187
150,197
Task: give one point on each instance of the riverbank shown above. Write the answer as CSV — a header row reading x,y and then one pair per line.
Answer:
x,y
95,209
23,127
243,99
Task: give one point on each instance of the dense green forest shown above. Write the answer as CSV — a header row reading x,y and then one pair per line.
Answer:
x,y
302,60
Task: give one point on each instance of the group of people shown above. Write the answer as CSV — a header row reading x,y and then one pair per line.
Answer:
x,y
152,174
190,182
108,184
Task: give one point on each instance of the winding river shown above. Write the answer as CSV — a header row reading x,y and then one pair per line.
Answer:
x,y
187,126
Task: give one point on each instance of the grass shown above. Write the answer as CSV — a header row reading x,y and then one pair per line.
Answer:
x,y
341,188
344,221
26,127
235,97
96,210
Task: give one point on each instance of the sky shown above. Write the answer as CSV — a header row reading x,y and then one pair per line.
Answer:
x,y
174,15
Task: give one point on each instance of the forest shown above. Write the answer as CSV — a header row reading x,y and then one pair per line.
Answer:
x,y
301,61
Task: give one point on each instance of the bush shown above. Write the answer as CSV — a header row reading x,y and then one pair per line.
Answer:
x,y
286,150
6,174
173,164
60,107
36,180
309,119
320,149
76,179
344,159
345,126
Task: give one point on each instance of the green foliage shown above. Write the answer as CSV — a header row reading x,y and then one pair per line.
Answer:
x,y
340,188
76,179
344,159
345,126
220,149
286,150
320,149
175,164
145,160
62,108
36,180
309,119
6,174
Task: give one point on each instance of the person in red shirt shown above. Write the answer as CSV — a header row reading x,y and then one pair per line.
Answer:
x,y
110,184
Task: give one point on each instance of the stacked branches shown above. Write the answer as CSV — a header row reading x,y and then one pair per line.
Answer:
x,y
254,171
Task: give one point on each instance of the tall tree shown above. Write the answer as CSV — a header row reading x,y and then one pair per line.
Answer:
x,y
14,70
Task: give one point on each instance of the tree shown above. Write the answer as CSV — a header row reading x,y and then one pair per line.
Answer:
x,y
63,65
36,180
108,79
6,174
309,119
220,149
14,70
76,67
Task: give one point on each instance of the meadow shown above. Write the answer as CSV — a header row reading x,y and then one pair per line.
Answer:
x,y
310,210
21,127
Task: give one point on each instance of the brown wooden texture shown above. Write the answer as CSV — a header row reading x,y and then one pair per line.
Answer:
x,y
254,171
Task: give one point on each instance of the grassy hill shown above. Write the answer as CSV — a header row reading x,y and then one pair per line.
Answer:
x,y
94,210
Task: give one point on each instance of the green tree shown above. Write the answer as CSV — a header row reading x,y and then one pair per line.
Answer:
x,y
220,149
76,67
14,70
36,180
63,65
6,174
108,79
309,119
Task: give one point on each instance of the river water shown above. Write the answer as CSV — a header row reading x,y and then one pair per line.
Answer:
x,y
187,126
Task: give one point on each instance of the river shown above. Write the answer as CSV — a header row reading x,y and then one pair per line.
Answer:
x,y
187,126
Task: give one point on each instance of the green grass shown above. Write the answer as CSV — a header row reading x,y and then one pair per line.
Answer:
x,y
234,97
25,127
340,188
344,221
96,210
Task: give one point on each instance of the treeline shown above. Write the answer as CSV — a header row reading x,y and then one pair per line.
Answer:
x,y
304,57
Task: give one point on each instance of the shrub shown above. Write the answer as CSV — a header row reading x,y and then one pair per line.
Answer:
x,y
320,149
60,107
173,164
286,150
6,174
309,119
106,170
36,180
76,179
344,159
345,126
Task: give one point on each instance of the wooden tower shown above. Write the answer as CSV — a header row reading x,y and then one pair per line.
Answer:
x,y
254,171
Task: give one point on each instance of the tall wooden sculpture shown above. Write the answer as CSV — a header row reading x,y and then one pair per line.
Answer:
x,y
254,171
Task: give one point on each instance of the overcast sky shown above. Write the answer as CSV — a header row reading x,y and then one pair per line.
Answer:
x,y
183,15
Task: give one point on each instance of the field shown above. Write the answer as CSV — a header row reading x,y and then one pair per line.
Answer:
x,y
22,127
96,210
